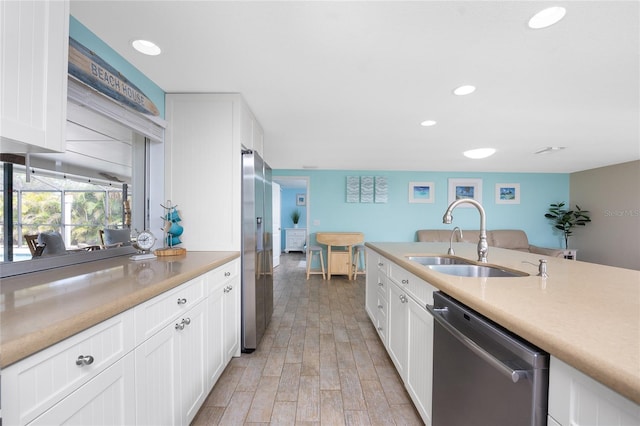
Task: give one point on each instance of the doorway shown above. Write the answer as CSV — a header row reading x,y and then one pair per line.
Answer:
x,y
294,191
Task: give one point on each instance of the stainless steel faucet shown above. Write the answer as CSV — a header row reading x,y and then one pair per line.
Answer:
x,y
450,251
483,246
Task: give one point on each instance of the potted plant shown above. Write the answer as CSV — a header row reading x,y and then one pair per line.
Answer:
x,y
565,220
295,217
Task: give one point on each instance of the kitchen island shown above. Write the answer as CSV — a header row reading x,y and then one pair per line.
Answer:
x,y
585,314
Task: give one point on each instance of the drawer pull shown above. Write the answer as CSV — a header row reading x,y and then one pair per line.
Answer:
x,y
183,323
403,298
381,284
182,301
379,328
380,264
405,281
227,274
380,306
84,360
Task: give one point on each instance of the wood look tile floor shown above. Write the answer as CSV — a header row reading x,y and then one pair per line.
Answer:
x,y
320,362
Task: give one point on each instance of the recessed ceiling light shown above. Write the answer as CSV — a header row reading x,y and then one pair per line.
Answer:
x,y
549,149
146,47
547,17
479,153
464,90
428,123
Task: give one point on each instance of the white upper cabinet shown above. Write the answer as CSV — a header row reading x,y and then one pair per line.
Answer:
x,y
34,41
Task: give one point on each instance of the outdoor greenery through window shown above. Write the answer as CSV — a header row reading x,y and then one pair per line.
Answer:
x,y
76,207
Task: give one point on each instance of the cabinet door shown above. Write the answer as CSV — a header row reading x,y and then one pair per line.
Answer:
x,y
577,399
419,380
157,372
34,40
397,329
231,319
340,262
192,357
215,336
107,399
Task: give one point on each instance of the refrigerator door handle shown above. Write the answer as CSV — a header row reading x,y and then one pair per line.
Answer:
x,y
258,220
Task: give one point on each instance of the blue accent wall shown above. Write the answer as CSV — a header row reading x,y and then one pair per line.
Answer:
x,y
398,220
84,36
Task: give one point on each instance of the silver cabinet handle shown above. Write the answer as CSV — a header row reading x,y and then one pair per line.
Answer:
x,y
381,284
84,360
405,281
403,298
182,301
379,306
380,264
183,323
379,328
227,274
514,375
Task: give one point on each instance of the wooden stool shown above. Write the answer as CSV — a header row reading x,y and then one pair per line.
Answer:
x,y
311,251
358,256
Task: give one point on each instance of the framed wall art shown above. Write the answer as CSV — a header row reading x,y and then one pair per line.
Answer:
x,y
465,188
301,199
421,192
507,193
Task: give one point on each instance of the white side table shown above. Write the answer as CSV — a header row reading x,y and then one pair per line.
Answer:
x,y
295,238
571,254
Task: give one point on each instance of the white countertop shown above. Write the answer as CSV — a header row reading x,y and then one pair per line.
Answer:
x,y
585,314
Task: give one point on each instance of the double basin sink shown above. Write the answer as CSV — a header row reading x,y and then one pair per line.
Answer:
x,y
452,265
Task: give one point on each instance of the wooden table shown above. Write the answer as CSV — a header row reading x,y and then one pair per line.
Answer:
x,y
339,262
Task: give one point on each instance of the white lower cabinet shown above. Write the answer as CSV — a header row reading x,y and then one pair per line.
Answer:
x,y
153,364
576,399
404,325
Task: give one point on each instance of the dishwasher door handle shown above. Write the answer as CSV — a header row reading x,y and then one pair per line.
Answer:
x,y
514,375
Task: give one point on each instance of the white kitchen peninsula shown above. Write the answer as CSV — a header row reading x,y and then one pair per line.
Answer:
x,y
146,340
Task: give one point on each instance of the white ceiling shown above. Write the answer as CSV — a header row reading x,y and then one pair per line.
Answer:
x,y
344,85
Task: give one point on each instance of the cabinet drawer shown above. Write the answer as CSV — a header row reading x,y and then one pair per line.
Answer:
x,y
106,399
416,287
36,383
381,317
153,315
382,285
380,262
222,274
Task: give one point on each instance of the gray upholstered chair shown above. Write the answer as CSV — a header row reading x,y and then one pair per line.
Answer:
x,y
53,244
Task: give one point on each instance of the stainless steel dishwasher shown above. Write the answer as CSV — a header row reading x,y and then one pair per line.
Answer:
x,y
483,375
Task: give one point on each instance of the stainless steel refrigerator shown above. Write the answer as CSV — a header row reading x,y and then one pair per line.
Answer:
x,y
257,250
